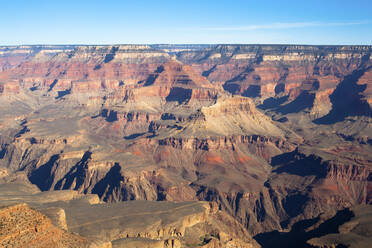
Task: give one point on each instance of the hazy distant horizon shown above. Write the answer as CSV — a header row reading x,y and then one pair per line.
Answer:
x,y
189,44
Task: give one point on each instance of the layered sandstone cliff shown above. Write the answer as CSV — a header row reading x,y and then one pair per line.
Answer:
x,y
270,134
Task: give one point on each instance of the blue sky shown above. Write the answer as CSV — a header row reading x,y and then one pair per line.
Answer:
x,y
191,21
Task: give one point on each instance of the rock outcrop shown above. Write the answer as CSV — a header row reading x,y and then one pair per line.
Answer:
x,y
21,226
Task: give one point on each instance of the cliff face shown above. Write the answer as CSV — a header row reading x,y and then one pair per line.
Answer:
x,y
50,221
270,134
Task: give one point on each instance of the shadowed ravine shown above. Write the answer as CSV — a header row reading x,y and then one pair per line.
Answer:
x,y
298,235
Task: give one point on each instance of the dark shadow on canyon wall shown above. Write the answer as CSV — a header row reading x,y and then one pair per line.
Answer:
x,y
346,99
298,235
109,183
272,102
62,93
208,72
179,95
110,116
299,164
232,88
152,77
252,91
52,85
304,101
233,85
43,176
76,175
110,56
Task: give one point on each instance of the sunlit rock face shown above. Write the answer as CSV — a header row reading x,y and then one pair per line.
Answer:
x,y
271,134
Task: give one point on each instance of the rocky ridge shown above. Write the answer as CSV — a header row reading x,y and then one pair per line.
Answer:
x,y
95,224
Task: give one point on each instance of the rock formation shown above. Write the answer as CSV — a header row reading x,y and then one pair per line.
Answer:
x,y
270,134
21,226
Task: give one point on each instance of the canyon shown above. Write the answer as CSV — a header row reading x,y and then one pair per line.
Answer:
x,y
224,144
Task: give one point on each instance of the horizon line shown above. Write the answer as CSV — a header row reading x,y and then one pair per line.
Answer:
x,y
182,44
